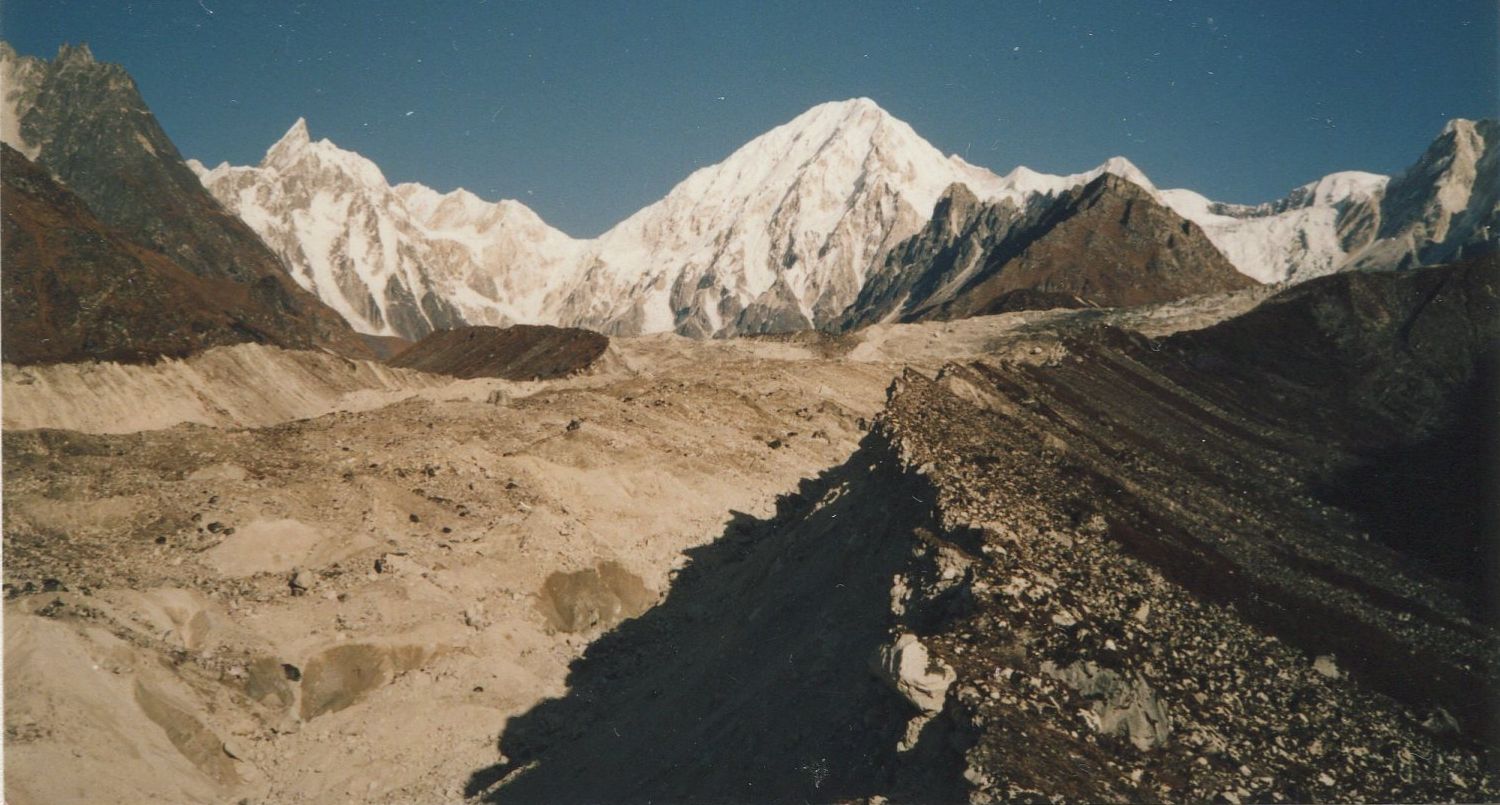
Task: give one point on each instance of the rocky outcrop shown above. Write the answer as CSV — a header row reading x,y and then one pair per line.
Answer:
x,y
1125,708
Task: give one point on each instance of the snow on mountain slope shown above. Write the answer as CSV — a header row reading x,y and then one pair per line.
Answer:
x,y
778,236
1023,182
393,261
1446,205
1309,233
785,232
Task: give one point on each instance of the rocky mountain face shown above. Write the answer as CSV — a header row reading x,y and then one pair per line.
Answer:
x,y
1108,243
85,123
1447,205
401,261
76,289
1093,572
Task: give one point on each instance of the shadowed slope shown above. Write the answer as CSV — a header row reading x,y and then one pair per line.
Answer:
x,y
761,652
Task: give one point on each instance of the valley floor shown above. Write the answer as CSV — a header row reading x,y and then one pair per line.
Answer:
x,y
673,576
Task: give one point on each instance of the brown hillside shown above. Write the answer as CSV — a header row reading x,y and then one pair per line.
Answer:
x,y
75,289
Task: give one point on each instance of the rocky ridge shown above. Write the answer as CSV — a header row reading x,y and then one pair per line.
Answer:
x,y
1125,584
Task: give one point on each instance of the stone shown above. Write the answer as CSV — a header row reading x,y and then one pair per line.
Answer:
x,y
1326,666
1441,722
300,582
923,680
1122,707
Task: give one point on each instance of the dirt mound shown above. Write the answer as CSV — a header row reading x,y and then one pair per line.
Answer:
x,y
521,352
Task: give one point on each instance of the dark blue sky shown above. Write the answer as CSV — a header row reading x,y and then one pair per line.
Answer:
x,y
588,111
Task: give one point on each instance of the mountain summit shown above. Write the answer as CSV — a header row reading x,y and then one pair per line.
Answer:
x,y
781,235
401,261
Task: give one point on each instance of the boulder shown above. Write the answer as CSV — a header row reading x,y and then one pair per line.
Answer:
x,y
1123,707
923,680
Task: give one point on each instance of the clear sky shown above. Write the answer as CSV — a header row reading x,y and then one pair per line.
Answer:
x,y
587,111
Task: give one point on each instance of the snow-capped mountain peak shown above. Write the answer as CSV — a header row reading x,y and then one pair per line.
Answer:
x,y
1343,187
295,137
1023,182
1125,169
297,151
393,261
779,235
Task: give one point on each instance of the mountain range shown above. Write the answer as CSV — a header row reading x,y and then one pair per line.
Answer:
x,y
842,217
794,228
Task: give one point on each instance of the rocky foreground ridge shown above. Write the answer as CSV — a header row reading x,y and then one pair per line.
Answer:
x,y
1098,571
